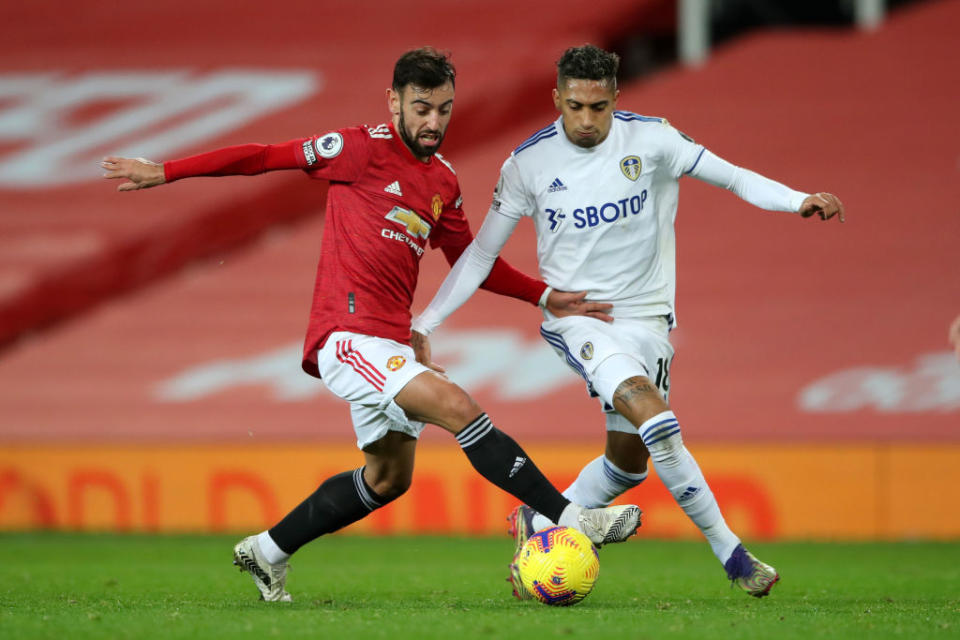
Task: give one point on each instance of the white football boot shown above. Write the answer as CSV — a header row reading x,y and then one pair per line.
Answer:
x,y
269,578
609,524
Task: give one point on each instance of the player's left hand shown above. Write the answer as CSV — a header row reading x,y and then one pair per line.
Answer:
x,y
825,205
566,303
421,348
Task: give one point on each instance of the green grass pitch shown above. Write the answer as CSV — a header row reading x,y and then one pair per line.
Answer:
x,y
100,586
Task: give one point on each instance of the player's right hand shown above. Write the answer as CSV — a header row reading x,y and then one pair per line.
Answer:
x,y
139,172
421,348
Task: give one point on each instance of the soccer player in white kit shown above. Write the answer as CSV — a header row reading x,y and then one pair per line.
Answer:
x,y
601,186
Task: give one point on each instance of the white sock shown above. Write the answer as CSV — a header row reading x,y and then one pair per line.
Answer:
x,y
568,518
599,484
271,552
683,478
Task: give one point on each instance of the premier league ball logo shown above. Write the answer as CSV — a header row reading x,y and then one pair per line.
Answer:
x,y
330,145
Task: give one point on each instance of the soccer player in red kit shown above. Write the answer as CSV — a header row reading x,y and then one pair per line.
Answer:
x,y
390,192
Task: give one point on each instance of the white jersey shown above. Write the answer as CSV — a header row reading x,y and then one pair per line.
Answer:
x,y
604,215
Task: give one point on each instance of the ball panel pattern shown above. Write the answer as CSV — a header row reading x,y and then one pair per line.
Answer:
x,y
559,566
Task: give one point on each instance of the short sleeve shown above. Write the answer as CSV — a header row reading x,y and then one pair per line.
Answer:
x,y
339,155
510,197
678,151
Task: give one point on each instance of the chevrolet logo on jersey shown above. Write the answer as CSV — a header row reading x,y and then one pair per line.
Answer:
x,y
416,226
631,167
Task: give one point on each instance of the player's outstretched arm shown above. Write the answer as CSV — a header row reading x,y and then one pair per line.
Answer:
x,y
139,173
763,192
238,160
825,205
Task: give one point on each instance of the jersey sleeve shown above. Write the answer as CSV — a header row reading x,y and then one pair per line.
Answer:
x,y
453,235
340,155
678,152
511,197
478,265
238,160
756,189
504,279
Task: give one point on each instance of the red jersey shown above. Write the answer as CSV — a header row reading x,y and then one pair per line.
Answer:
x,y
383,207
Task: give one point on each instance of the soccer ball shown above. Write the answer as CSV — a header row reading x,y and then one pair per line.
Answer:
x,y
558,566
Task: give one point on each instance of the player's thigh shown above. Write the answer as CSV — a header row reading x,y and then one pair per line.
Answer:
x,y
643,349
607,354
430,397
633,395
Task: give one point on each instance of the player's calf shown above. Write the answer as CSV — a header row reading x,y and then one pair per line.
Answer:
x,y
685,481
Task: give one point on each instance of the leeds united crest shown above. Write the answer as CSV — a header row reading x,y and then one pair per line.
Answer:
x,y
631,167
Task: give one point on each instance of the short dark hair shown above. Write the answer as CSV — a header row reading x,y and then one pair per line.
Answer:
x,y
424,67
588,63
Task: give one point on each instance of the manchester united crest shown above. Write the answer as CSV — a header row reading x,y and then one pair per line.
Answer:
x,y
396,362
436,205
631,167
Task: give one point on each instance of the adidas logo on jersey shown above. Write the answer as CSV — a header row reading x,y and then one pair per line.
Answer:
x,y
556,185
394,188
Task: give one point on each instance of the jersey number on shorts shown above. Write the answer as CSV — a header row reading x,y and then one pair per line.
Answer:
x,y
663,375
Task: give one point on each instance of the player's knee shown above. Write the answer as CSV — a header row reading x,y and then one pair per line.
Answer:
x,y
460,409
636,397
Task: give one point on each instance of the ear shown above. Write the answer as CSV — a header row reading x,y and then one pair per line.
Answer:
x,y
393,102
556,99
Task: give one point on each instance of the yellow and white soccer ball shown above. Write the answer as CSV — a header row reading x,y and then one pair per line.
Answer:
x,y
558,566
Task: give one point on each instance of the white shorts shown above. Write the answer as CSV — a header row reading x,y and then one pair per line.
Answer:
x,y
605,354
369,372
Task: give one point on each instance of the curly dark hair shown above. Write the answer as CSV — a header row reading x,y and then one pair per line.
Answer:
x,y
424,67
588,63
